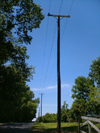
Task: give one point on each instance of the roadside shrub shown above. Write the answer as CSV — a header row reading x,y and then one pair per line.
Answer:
x,y
39,119
47,118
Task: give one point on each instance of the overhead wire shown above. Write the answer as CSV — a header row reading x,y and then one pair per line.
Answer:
x,y
51,50
45,45
62,33
67,20
51,70
49,6
44,50
52,42
71,6
50,55
60,6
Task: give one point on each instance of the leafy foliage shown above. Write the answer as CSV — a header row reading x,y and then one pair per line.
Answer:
x,y
86,92
64,112
17,19
20,15
81,91
16,98
94,73
48,118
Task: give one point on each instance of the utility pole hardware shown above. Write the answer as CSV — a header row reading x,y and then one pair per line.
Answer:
x,y
58,73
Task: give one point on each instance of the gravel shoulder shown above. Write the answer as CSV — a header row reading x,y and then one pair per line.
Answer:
x,y
16,127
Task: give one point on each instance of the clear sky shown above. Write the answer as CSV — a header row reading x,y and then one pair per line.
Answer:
x,y
80,44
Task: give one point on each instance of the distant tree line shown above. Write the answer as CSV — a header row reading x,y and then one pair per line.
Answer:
x,y
17,19
86,96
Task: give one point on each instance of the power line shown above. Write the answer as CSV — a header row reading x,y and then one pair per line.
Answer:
x,y
64,29
60,6
54,34
51,46
51,70
62,33
45,44
50,55
49,5
67,20
71,6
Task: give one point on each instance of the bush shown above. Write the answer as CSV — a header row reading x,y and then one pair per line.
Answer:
x,y
39,119
47,118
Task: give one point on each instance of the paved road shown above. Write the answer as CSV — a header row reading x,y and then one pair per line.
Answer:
x,y
16,128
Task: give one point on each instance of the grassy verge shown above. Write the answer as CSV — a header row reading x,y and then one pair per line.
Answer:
x,y
52,128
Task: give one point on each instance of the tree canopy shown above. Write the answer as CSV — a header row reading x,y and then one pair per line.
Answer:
x,y
81,89
17,19
86,92
94,73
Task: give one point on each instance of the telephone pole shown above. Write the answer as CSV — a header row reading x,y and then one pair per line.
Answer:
x,y
41,103
58,73
39,112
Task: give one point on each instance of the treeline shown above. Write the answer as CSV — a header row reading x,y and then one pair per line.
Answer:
x,y
86,96
17,19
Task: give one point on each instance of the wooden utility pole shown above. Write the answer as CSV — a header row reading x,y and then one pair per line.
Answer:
x,y
41,103
58,73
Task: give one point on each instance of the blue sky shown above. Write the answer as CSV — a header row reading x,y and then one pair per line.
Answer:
x,y
79,42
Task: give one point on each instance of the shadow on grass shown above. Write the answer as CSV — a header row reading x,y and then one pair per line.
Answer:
x,y
15,127
71,129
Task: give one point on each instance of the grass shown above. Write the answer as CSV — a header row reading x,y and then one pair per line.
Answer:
x,y
52,128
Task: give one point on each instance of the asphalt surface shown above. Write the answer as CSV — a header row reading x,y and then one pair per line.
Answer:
x,y
16,127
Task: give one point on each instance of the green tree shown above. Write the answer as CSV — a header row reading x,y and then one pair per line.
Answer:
x,y
48,118
86,92
81,91
79,107
64,112
16,99
28,107
17,19
94,73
